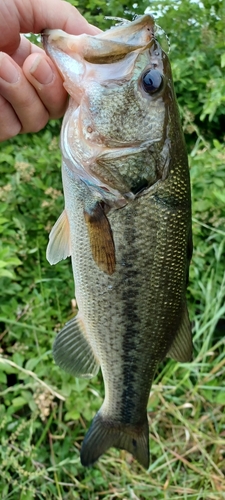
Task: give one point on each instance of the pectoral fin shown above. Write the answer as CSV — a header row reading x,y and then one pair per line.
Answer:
x,y
181,349
72,351
59,240
101,238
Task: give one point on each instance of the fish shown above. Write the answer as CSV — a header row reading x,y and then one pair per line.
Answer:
x,y
126,224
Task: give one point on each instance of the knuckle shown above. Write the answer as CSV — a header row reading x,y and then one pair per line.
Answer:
x,y
10,126
55,113
38,123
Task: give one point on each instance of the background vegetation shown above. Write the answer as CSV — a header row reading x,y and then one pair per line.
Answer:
x,y
44,413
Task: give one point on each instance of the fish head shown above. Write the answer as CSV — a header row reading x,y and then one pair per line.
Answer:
x,y
116,134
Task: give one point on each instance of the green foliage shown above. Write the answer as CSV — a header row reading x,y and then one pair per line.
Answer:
x,y
44,412
196,31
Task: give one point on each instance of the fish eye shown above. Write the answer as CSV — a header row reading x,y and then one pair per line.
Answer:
x,y
152,81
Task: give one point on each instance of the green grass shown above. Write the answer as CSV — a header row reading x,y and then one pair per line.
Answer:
x,y
44,413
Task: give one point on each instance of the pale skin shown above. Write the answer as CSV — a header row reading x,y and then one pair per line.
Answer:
x,y
31,89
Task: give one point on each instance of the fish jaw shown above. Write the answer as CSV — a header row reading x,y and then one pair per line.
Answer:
x,y
114,43
72,53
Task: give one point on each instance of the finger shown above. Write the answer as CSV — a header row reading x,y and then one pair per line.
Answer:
x,y
9,123
24,50
33,16
52,14
45,78
21,95
43,75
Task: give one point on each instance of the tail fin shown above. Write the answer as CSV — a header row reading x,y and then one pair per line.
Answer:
x,y
105,432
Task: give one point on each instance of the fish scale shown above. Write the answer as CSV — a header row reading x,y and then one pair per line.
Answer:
x,y
131,305
127,226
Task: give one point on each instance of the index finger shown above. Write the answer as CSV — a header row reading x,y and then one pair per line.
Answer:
x,y
23,16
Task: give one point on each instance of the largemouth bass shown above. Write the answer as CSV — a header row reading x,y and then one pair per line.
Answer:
x,y
126,224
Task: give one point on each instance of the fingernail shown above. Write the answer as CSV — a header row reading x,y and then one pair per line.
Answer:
x,y
8,71
42,71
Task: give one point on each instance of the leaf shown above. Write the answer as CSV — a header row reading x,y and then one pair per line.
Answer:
x,y
3,263
72,415
31,363
4,157
223,60
220,195
3,220
3,378
19,402
6,274
18,358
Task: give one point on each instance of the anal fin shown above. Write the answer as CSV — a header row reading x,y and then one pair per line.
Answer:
x,y
181,349
101,238
72,351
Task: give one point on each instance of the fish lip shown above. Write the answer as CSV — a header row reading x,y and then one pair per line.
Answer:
x,y
45,33
121,39
48,32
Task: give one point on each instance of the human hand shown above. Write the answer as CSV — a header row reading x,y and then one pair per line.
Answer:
x,y
31,89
